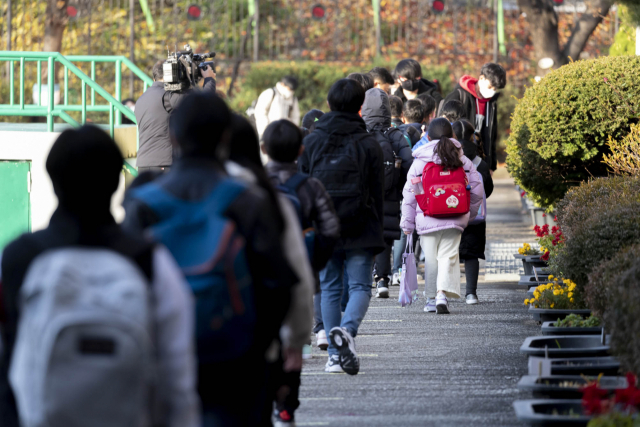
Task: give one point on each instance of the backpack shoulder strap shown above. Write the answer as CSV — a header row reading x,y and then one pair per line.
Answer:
x,y
296,180
223,195
272,98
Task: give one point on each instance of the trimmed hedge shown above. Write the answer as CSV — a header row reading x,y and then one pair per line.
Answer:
x,y
561,125
623,320
315,80
607,275
598,220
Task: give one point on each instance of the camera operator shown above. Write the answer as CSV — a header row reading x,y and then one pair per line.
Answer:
x,y
152,114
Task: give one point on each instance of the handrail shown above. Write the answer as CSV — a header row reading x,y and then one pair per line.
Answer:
x,y
114,106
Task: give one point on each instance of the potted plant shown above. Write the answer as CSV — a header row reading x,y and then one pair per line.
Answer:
x,y
555,300
551,412
566,346
605,365
573,324
621,410
567,386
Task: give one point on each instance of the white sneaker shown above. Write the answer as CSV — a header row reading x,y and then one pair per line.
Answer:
x,y
333,364
430,306
396,279
472,299
346,345
321,340
442,304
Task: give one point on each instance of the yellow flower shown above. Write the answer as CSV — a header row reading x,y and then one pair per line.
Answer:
x,y
555,279
526,302
571,300
536,294
556,292
570,294
552,304
551,277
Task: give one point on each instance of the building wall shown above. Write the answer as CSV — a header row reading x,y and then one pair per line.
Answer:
x,y
35,146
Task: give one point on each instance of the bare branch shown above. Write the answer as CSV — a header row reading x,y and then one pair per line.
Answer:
x,y
586,25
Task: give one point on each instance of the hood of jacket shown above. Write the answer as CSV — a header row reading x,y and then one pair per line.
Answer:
x,y
376,110
426,150
341,123
468,83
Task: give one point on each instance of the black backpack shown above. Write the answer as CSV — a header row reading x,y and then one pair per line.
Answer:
x,y
339,164
391,173
411,134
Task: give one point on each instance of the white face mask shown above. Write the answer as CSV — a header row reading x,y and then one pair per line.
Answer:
x,y
285,91
486,93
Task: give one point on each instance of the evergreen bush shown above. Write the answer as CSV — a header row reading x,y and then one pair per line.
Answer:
x,y
561,125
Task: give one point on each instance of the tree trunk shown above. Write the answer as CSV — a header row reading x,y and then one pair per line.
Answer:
x,y
543,28
54,24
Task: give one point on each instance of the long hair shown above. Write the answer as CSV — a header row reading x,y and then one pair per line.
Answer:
x,y
440,129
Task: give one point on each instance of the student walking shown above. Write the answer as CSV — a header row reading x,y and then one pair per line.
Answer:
x,y
376,113
440,236
348,161
408,74
106,292
479,98
282,141
227,238
474,237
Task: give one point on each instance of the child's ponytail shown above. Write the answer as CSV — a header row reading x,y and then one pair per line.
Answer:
x,y
440,129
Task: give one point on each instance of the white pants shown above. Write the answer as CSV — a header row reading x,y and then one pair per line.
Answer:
x,y
442,262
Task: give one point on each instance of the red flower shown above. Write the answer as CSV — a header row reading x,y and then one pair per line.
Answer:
x,y
555,218
545,257
592,396
630,396
554,229
544,215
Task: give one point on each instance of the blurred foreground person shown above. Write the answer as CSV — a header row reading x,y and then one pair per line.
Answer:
x,y
226,236
99,324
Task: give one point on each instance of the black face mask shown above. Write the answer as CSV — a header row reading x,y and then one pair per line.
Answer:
x,y
411,85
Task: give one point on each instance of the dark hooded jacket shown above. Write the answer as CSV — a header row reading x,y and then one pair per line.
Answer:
x,y
465,93
344,127
376,113
317,209
426,86
474,237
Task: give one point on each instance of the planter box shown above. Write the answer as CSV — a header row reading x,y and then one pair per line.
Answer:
x,y
593,366
566,346
552,314
540,412
538,217
532,281
566,386
549,328
542,271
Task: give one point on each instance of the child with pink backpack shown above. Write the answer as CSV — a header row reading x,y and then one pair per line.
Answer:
x,y
442,194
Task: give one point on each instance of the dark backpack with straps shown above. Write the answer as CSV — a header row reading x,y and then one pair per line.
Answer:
x,y
290,190
339,165
391,173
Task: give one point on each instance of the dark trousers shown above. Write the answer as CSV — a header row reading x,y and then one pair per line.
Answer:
x,y
383,262
289,391
154,169
471,272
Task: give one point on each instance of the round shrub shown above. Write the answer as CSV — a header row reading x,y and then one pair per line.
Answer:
x,y
622,320
579,203
607,275
561,125
607,230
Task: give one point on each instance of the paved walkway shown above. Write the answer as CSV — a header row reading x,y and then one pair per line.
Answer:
x,y
422,369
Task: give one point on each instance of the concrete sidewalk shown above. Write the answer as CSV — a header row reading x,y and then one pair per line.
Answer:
x,y
423,369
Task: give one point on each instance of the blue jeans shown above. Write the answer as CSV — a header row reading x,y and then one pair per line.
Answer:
x,y
357,265
398,250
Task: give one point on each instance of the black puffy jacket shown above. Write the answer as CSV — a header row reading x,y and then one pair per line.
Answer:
x,y
376,114
426,86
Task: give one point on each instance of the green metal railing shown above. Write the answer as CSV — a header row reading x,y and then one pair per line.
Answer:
x,y
114,107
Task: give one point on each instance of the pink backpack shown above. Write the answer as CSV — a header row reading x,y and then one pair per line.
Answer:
x,y
446,192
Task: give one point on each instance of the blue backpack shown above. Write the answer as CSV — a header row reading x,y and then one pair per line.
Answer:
x,y
290,190
212,256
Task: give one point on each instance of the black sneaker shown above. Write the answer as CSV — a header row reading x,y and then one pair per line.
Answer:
x,y
342,339
383,289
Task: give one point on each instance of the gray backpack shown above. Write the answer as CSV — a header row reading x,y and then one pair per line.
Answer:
x,y
84,354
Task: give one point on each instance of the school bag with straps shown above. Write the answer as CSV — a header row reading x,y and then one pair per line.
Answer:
x,y
338,164
212,256
290,190
447,193
84,353
482,210
391,166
